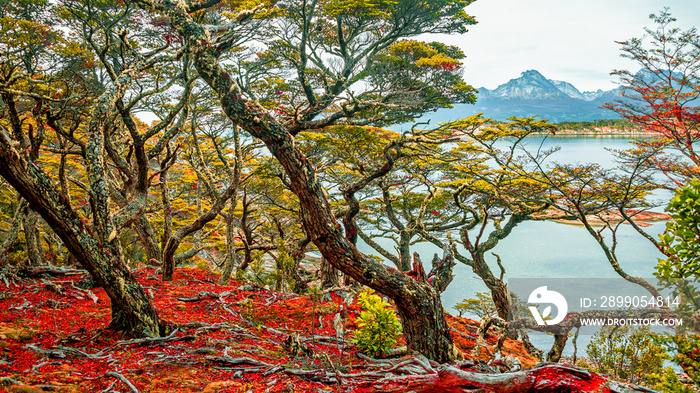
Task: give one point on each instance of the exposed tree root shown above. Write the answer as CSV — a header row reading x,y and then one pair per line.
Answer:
x,y
48,270
546,378
243,346
123,379
157,340
418,374
205,295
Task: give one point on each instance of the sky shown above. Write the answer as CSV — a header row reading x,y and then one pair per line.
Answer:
x,y
569,40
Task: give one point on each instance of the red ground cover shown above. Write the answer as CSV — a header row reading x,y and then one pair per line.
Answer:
x,y
53,338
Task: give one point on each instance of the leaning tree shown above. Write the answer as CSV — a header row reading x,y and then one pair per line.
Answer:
x,y
55,97
334,53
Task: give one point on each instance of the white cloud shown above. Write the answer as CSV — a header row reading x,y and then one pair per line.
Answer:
x,y
565,40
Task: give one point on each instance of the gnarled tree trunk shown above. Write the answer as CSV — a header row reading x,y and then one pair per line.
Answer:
x,y
31,237
132,310
417,302
299,286
13,233
231,257
329,274
174,241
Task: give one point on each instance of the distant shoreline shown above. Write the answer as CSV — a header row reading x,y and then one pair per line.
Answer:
x,y
602,131
643,218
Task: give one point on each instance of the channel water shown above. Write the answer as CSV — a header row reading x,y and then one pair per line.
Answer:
x,y
553,250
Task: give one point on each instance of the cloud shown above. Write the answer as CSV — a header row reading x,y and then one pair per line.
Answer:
x,y
565,40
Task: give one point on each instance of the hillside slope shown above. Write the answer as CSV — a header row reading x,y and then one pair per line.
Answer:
x,y
236,338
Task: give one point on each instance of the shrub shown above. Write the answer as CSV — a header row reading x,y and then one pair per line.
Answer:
x,y
482,306
686,353
626,353
668,382
681,241
378,326
202,264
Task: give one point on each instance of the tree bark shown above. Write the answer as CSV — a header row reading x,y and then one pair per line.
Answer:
x,y
148,240
12,235
299,286
329,275
403,262
554,354
418,303
405,251
247,239
132,310
32,238
499,289
231,257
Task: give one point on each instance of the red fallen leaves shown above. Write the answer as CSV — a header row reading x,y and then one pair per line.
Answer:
x,y
57,340
172,366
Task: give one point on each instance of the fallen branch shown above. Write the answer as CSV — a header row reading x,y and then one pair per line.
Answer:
x,y
52,353
81,293
205,295
24,305
123,379
59,352
5,381
97,355
109,388
204,328
422,376
151,340
397,366
39,271
8,277
238,361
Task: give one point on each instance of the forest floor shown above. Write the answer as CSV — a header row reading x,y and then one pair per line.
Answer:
x,y
235,338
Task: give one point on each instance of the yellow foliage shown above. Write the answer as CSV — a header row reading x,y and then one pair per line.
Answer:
x,y
438,60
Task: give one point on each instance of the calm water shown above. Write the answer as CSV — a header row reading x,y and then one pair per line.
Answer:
x,y
553,250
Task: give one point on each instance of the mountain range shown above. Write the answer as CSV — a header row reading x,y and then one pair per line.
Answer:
x,y
534,95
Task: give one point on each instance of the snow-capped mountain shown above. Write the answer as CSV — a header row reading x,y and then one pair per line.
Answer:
x,y
532,94
530,85
569,89
594,95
